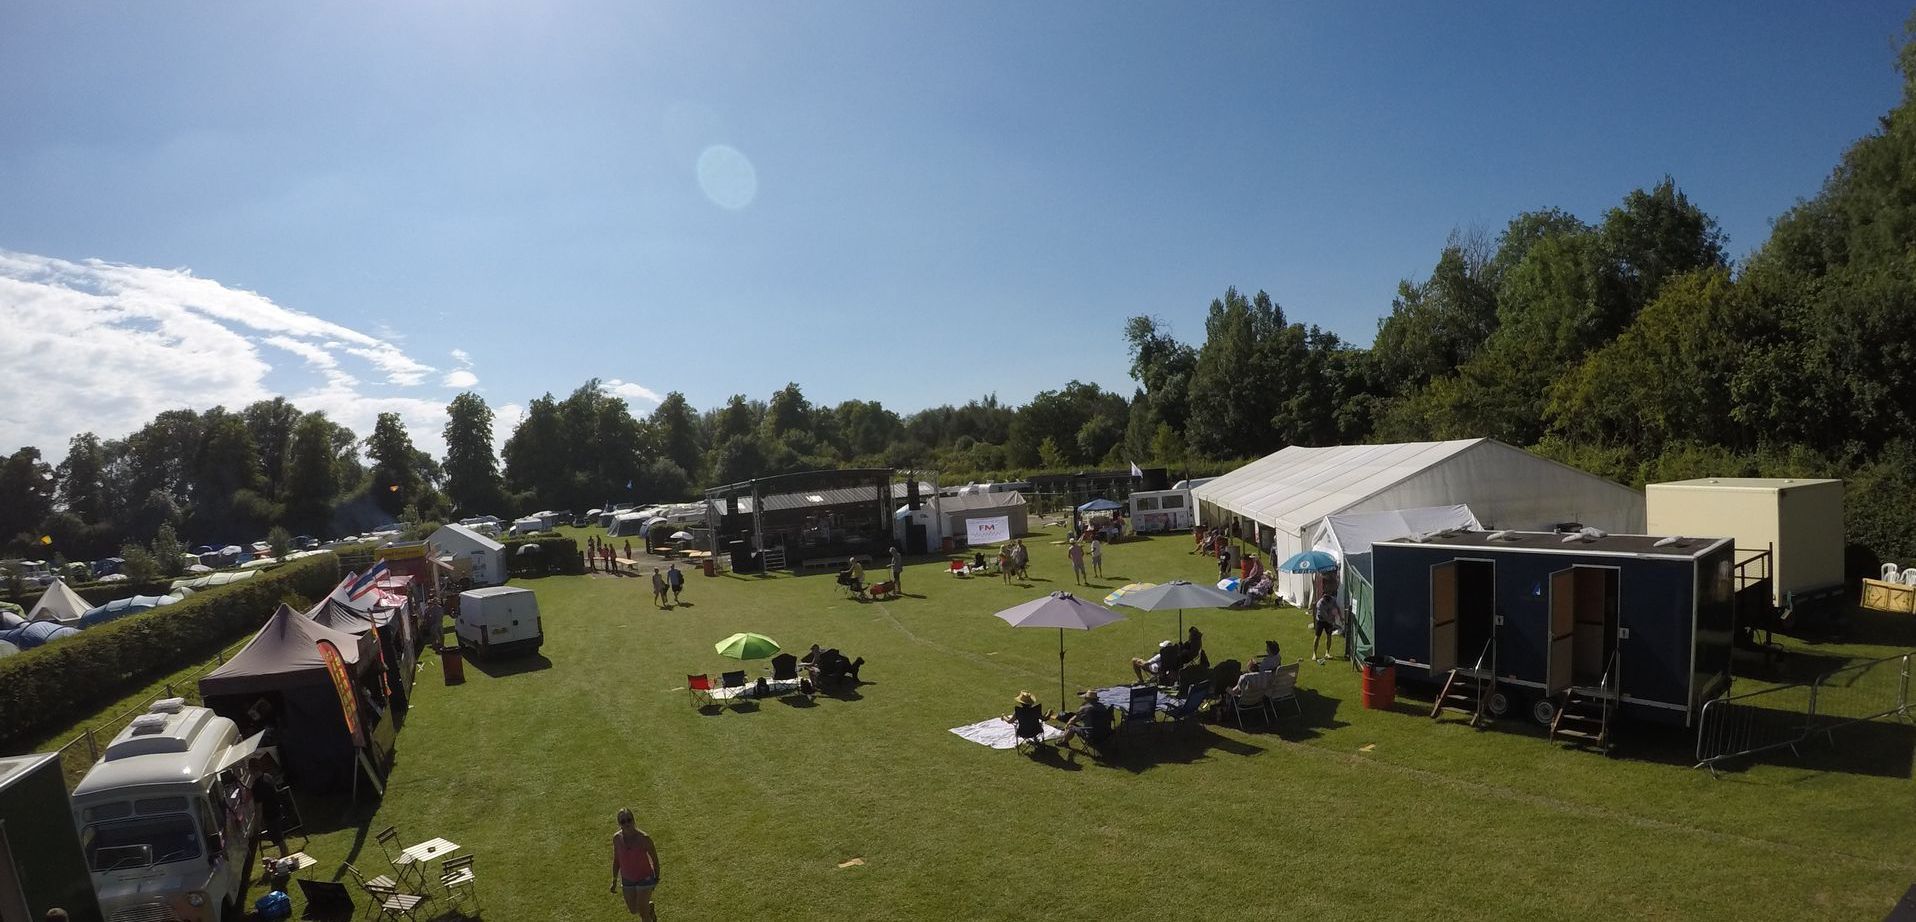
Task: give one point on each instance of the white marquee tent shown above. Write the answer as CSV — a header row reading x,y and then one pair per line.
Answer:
x,y
59,604
1354,532
1291,491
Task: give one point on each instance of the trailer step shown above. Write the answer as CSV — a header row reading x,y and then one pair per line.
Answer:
x,y
1583,718
1465,693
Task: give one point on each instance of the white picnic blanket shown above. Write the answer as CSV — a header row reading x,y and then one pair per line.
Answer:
x,y
997,734
749,690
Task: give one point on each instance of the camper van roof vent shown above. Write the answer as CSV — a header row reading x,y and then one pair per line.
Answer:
x,y
1585,535
148,723
1505,535
167,706
1673,541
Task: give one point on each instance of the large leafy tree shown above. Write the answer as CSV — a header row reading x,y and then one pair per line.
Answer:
x,y
316,472
82,479
676,427
224,481
473,482
397,478
26,496
271,424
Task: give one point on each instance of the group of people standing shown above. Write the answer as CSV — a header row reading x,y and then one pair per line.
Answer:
x,y
1095,544
600,555
1014,561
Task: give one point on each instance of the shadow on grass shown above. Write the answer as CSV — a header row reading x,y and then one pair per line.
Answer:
x,y
1141,749
502,668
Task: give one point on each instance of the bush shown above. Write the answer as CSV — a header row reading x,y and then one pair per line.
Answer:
x,y
556,554
61,683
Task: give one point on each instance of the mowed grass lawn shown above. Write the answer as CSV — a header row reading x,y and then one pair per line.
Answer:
x,y
1342,812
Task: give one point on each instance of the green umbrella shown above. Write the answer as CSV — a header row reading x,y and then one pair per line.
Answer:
x,y
747,646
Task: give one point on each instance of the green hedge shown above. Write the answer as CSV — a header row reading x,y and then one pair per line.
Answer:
x,y
556,554
61,683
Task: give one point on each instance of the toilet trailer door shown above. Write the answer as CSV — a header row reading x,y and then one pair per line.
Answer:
x,y
1443,617
1563,630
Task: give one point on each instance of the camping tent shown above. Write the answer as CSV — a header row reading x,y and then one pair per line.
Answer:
x,y
1290,491
213,579
38,633
59,604
487,557
629,525
282,664
131,605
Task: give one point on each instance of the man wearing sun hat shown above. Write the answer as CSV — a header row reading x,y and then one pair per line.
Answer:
x,y
1093,721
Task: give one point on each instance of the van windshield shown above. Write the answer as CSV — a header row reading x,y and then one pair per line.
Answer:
x,y
138,842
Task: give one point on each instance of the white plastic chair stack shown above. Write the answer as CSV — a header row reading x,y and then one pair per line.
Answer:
x,y
1889,573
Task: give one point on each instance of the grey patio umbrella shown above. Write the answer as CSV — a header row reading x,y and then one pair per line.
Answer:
x,y
1063,611
1179,594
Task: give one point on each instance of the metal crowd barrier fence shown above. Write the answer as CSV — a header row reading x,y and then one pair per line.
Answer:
x,y
1787,716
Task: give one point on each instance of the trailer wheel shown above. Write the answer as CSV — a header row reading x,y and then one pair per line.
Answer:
x,y
1499,703
1544,711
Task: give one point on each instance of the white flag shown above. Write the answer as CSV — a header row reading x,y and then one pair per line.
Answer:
x,y
1135,472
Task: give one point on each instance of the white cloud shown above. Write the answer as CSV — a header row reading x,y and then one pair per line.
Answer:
x,y
630,391
463,357
104,347
460,378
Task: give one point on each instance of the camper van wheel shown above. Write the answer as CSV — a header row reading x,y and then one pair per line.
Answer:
x,y
1544,711
1498,705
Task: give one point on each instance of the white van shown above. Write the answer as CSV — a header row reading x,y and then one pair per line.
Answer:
x,y
498,620
164,825
1160,511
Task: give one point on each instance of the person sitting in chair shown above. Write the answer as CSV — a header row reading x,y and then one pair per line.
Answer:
x,y
1269,661
1092,722
830,666
978,564
1028,717
1167,657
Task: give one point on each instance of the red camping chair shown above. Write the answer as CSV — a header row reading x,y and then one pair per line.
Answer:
x,y
701,688
958,568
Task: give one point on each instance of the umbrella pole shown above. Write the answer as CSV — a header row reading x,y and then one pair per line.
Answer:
x,y
1063,705
1180,625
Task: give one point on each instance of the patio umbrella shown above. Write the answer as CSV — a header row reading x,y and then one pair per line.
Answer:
x,y
1061,610
1308,562
1179,594
746,646
681,536
1125,590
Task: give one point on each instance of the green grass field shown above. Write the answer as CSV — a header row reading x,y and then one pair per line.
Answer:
x,y
1339,812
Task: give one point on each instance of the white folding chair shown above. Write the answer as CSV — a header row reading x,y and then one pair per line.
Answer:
x,y
1890,572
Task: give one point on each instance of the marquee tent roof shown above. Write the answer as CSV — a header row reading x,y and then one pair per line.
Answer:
x,y
284,653
466,536
59,604
1354,533
1505,486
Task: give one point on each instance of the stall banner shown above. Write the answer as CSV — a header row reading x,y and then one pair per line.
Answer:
x,y
336,667
988,531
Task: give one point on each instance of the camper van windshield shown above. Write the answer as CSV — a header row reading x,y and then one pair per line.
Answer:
x,y
136,843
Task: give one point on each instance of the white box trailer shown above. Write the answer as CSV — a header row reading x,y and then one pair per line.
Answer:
x,y
498,620
1799,520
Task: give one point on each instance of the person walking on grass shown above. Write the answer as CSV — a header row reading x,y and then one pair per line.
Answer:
x,y
1097,558
675,580
628,548
635,866
658,588
1323,626
1076,553
897,571
1004,563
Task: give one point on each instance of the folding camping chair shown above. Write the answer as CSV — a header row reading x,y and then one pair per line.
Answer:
x,y
734,684
1142,708
1028,724
1282,686
1248,696
700,688
785,669
958,568
1187,711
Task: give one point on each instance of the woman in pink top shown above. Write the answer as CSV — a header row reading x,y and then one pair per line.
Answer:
x,y
635,866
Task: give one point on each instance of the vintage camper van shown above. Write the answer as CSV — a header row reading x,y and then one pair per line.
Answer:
x,y
165,819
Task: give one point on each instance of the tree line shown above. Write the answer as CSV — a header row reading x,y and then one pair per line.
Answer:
x,y
1627,344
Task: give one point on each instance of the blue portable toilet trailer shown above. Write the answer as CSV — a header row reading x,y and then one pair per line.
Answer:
x,y
1644,623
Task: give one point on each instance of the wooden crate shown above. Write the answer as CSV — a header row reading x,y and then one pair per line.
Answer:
x,y
1891,597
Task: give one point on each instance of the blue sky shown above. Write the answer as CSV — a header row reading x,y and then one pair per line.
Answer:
x,y
914,203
